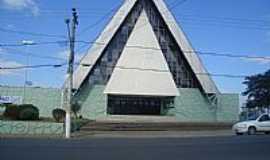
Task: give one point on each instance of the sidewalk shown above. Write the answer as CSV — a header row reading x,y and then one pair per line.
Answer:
x,y
130,134
151,134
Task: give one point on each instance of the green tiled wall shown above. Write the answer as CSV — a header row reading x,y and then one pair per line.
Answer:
x,y
93,101
228,108
190,106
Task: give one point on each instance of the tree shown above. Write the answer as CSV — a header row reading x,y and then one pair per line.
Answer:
x,y
258,90
75,108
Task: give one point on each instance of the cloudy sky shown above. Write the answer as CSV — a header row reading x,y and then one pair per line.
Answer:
x,y
226,26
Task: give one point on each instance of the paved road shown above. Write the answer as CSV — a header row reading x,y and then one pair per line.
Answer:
x,y
214,148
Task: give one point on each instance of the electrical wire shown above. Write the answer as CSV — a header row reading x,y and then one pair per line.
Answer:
x,y
200,23
157,70
34,44
120,67
228,19
33,66
31,33
26,54
176,3
114,9
230,55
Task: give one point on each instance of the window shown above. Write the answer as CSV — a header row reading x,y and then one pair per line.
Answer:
x,y
108,77
125,32
264,118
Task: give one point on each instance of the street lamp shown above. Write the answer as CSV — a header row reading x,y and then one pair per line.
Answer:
x,y
26,43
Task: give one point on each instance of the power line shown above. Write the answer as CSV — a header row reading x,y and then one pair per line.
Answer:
x,y
35,43
158,70
184,16
229,19
33,66
199,23
169,9
26,54
120,67
101,19
31,33
223,21
176,3
230,55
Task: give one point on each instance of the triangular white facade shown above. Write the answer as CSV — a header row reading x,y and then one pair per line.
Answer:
x,y
142,71
82,72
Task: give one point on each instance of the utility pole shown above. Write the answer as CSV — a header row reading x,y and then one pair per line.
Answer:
x,y
71,36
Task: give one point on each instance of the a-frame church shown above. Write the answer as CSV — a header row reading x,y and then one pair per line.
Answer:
x,y
143,64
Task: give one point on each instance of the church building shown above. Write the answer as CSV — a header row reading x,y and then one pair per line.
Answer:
x,y
143,64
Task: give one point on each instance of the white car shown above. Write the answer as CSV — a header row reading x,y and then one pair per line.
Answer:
x,y
259,124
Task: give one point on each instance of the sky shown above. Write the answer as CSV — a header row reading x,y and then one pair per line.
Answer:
x,y
225,26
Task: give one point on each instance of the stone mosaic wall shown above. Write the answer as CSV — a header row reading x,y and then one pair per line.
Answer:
x,y
30,128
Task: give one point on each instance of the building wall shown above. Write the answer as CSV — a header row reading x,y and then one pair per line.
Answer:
x,y
228,107
93,101
190,106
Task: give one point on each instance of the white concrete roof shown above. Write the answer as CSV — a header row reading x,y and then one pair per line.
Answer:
x,y
142,71
95,52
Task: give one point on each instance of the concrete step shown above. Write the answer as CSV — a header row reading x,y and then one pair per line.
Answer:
x,y
150,134
136,118
153,126
148,123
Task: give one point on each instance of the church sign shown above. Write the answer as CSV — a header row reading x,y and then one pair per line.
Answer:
x,y
10,99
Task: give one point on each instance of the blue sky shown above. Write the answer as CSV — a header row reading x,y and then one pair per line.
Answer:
x,y
226,26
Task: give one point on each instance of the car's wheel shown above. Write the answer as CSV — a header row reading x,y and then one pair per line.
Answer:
x,y
239,134
267,132
251,130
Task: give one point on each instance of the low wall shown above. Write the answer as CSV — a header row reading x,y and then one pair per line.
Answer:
x,y
46,99
31,128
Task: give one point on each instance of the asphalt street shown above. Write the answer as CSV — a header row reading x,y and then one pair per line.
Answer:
x,y
206,148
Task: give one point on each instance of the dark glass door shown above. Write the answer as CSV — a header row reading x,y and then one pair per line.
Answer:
x,y
126,105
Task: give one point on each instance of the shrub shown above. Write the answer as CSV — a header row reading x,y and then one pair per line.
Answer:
x,y
2,105
28,112
75,108
59,114
11,111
